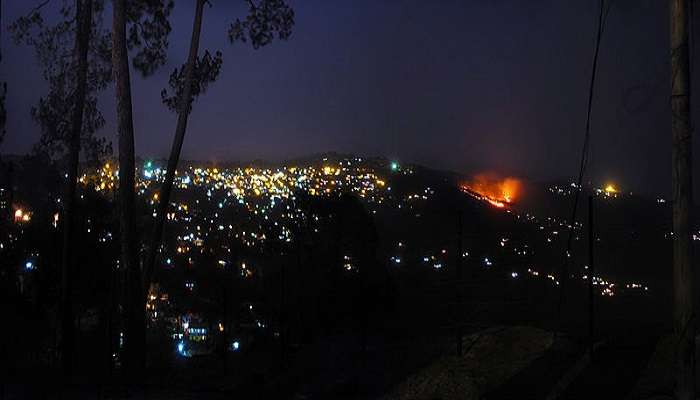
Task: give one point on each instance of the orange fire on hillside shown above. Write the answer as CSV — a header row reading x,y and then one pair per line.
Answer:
x,y
493,189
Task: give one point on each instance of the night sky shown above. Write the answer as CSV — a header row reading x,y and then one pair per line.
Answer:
x,y
497,85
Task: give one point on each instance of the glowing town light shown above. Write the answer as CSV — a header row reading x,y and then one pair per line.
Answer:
x,y
394,166
181,348
610,189
236,346
29,266
19,214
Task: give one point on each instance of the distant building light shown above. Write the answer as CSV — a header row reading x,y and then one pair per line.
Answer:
x,y
22,216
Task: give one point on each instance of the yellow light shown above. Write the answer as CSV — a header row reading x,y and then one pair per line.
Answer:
x,y
610,188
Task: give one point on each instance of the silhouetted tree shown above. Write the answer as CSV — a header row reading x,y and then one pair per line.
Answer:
x,y
82,39
56,52
68,115
3,91
148,31
266,19
3,110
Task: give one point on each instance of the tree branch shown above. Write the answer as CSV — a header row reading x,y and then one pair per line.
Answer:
x,y
38,7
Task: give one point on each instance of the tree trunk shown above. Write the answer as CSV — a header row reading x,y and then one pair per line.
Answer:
x,y
681,186
0,30
82,41
3,92
183,115
135,332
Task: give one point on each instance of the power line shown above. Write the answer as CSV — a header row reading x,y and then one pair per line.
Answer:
x,y
602,16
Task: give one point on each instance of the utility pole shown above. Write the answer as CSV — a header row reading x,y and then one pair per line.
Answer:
x,y
458,265
591,273
682,190
224,326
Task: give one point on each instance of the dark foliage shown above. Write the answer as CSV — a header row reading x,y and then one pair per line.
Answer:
x,y
206,70
148,32
53,46
266,19
3,110
3,95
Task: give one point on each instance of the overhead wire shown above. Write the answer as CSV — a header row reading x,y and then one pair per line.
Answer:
x,y
602,17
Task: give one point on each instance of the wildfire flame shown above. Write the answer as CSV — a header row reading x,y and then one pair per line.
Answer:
x,y
497,191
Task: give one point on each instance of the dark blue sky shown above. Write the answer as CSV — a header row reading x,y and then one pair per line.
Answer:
x,y
496,85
